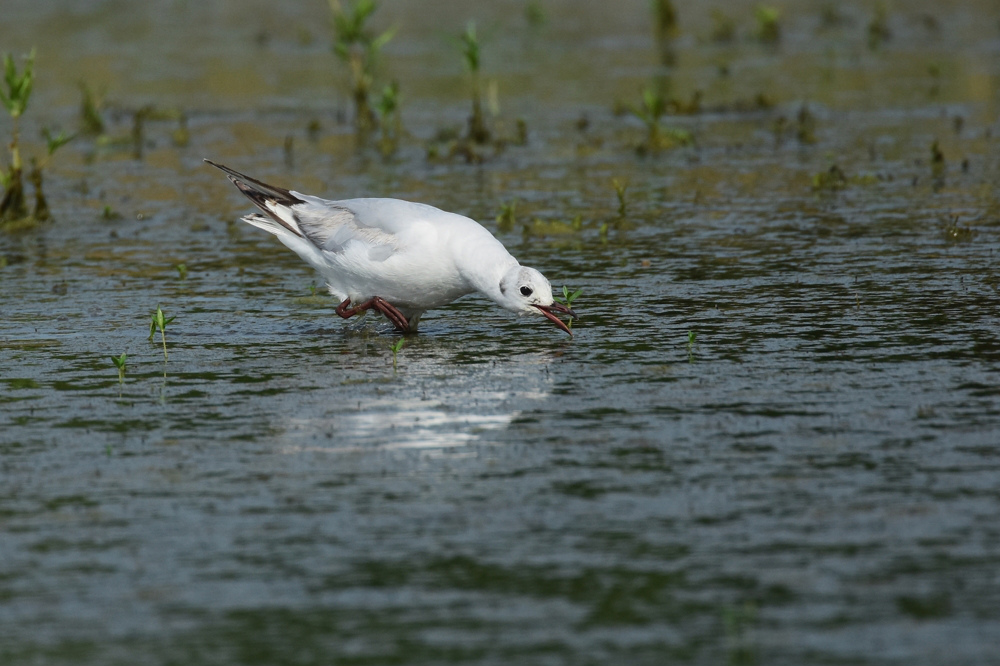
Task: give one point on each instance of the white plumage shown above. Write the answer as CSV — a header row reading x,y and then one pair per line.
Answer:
x,y
396,256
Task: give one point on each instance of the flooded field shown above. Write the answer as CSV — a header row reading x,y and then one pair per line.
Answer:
x,y
773,438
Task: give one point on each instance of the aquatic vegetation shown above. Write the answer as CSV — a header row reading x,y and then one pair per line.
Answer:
x,y
805,130
478,135
90,112
937,160
138,128
878,27
119,362
665,25
831,180
653,108
14,207
534,13
620,189
768,24
357,46
182,271
389,119
134,140
567,300
521,135
469,45
159,323
396,347
690,346
664,19
508,215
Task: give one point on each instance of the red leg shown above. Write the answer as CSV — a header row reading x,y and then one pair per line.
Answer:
x,y
391,313
385,307
346,313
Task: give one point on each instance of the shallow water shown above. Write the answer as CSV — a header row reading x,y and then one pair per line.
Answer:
x,y
813,480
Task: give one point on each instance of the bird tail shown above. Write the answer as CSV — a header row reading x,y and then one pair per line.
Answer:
x,y
272,200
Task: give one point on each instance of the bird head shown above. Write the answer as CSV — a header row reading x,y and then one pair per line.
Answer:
x,y
526,291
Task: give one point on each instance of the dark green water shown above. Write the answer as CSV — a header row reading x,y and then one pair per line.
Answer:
x,y
814,480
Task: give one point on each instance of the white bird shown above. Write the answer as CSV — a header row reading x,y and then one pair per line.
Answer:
x,y
398,257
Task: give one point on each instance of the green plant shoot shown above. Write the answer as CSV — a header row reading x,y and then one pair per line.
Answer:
x,y
357,46
567,300
54,143
119,362
159,322
653,108
14,95
389,119
620,189
768,24
396,348
468,42
15,100
507,216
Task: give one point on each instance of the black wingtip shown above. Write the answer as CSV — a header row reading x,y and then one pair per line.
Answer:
x,y
260,193
277,194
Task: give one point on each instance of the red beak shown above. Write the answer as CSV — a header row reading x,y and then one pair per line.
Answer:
x,y
549,310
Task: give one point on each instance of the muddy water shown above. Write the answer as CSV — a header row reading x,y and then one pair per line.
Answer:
x,y
812,480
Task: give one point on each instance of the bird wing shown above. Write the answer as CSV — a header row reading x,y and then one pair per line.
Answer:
x,y
335,227
377,225
366,247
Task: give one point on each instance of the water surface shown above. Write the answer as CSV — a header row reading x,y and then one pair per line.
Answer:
x,y
813,480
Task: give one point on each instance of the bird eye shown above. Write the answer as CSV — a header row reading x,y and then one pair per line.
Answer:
x,y
526,291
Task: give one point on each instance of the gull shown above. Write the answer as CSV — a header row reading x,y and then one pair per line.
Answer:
x,y
397,257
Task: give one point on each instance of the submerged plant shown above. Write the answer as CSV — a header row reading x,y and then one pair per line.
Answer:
x,y
620,188
665,24
534,13
691,339
389,119
768,24
469,44
396,347
568,297
805,130
159,322
665,19
119,362
831,180
937,160
15,100
567,300
508,215
356,45
182,271
90,111
878,28
14,206
653,108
